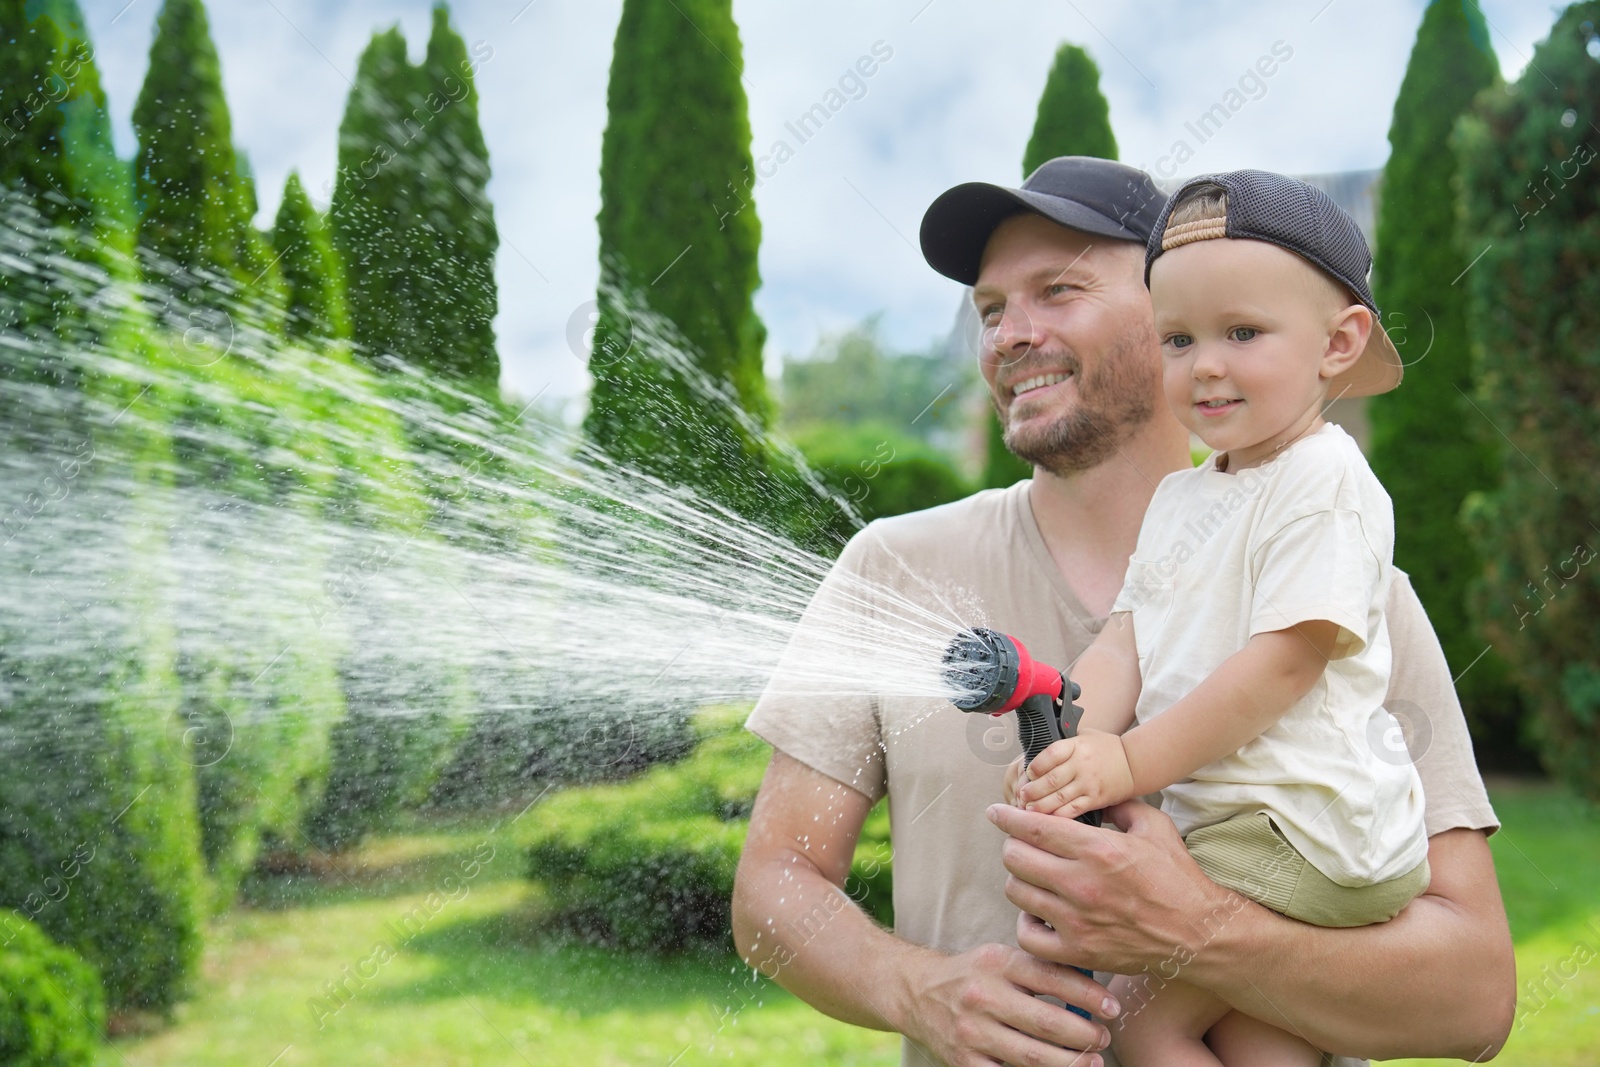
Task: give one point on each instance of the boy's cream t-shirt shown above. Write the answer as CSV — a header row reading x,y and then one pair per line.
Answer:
x,y
1222,557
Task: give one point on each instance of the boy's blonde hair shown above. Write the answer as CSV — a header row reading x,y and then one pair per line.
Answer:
x,y
1202,214
1199,216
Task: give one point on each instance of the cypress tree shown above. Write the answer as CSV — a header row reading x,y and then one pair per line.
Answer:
x,y
1530,201
1428,446
372,195
194,200
678,236
1073,120
55,131
462,298
58,169
311,271
410,215
1073,117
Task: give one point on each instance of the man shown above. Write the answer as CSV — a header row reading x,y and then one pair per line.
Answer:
x,y
1072,361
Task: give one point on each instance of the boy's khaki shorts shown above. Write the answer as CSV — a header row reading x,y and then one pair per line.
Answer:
x,y
1250,855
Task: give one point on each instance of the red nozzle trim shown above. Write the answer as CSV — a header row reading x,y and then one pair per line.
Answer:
x,y
1033,679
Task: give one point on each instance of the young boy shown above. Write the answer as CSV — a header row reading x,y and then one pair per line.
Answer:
x,y
1245,663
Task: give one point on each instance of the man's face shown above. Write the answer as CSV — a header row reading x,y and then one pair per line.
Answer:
x,y
1069,349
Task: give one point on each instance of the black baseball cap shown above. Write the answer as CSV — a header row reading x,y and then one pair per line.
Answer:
x,y
1097,196
1304,220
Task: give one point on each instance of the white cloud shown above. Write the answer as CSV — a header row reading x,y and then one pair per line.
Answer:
x,y
954,103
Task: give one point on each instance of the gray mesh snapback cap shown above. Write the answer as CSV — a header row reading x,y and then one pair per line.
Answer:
x,y
1304,220
1097,196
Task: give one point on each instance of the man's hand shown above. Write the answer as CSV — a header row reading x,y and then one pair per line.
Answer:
x,y
1077,775
978,1008
1100,899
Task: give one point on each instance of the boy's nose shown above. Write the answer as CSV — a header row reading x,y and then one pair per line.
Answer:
x,y
1207,363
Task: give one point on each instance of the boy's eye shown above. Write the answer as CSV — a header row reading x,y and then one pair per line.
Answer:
x,y
1180,340
1243,333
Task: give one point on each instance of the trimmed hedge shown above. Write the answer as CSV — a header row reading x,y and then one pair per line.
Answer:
x,y
648,864
52,1009
1530,199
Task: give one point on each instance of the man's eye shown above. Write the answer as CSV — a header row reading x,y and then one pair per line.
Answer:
x,y
1060,287
991,315
1243,333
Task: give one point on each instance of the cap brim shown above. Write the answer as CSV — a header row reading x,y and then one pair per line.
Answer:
x,y
1377,370
957,226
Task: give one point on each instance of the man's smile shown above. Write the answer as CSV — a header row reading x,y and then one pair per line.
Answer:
x,y
1038,383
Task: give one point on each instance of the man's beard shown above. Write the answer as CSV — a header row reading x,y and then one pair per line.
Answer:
x,y
1111,405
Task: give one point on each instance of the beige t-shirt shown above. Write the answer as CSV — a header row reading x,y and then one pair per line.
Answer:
x,y
941,767
1222,557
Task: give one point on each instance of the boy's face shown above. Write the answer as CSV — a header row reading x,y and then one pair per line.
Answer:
x,y
1244,329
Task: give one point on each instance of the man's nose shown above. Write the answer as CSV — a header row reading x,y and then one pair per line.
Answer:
x,y
1014,334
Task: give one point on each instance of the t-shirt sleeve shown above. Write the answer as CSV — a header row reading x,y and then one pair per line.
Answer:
x,y
1324,549
836,733
1320,566
1422,698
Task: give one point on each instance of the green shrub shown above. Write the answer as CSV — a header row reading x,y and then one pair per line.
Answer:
x,y
52,1009
879,470
648,864
1530,188
99,842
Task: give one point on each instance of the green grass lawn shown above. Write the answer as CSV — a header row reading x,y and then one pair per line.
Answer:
x,y
354,964
1547,856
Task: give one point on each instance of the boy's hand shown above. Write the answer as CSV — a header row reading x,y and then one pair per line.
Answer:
x,y
1077,775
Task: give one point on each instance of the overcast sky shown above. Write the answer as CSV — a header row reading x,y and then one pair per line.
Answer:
x,y
954,102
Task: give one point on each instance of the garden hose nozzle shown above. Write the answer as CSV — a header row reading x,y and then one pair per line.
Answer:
x,y
993,673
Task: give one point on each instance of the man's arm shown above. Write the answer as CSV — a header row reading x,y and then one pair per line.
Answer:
x,y
1438,979
793,922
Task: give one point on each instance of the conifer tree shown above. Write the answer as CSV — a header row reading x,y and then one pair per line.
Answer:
x,y
55,131
462,298
1073,120
372,197
194,199
57,163
1073,117
1428,446
410,216
311,271
678,236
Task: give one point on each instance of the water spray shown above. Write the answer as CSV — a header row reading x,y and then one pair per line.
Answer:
x,y
993,673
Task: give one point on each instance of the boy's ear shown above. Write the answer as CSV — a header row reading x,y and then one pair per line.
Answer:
x,y
1347,339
